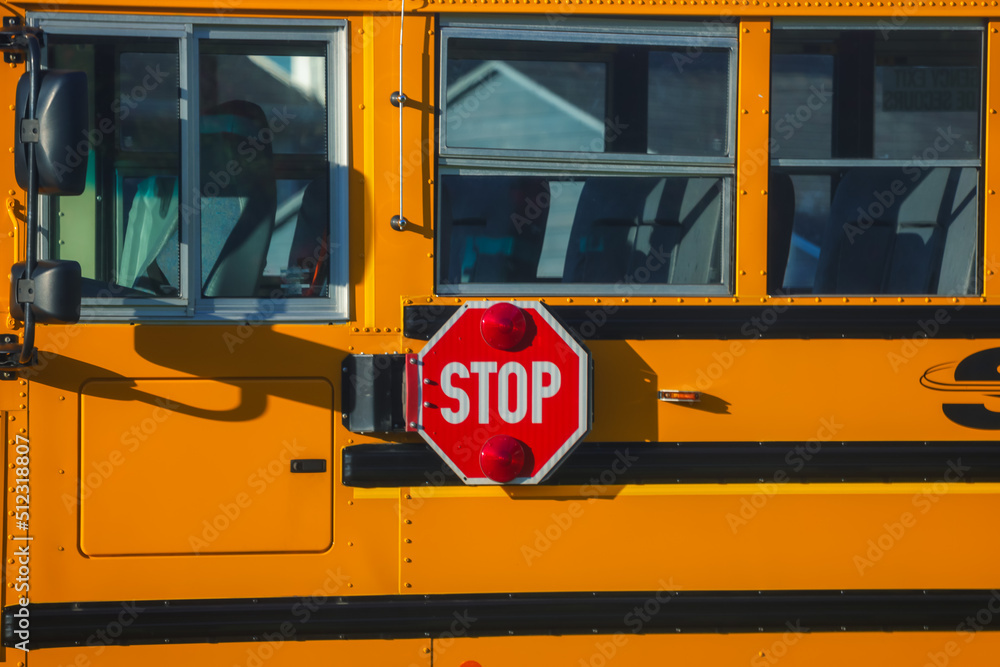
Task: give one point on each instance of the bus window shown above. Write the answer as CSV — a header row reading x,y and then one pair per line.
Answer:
x,y
259,224
589,162
263,109
875,149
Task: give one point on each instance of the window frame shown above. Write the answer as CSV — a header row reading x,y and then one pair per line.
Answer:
x,y
189,31
823,166
505,162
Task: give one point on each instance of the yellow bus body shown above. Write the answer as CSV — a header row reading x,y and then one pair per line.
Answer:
x,y
147,439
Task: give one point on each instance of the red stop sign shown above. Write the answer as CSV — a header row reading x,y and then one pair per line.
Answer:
x,y
501,392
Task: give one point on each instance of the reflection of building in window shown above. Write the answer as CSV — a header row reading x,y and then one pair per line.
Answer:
x,y
585,161
532,113
877,136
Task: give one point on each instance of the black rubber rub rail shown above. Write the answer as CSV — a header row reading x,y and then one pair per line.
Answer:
x,y
604,463
409,616
609,321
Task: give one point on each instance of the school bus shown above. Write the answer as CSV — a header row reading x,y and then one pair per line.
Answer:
x,y
475,333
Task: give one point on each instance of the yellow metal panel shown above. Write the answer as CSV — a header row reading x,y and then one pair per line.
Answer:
x,y
991,163
405,259
752,157
365,49
890,11
276,651
447,540
209,469
364,556
597,538
612,304
14,200
793,648
771,390
375,47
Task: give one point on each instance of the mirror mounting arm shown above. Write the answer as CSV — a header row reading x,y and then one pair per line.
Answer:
x,y
31,235
26,40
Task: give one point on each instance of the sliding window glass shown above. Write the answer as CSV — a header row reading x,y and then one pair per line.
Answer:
x,y
264,169
133,147
586,160
876,160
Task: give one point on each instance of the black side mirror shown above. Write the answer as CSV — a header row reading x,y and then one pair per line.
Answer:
x,y
55,296
61,133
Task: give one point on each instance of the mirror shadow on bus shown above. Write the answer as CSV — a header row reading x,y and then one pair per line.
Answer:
x,y
58,132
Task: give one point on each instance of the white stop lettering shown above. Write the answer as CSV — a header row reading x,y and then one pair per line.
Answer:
x,y
513,386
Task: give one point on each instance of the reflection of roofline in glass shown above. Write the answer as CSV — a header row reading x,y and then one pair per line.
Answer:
x,y
491,68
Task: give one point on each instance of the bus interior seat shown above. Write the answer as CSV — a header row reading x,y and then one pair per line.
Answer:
x,y
922,240
605,229
958,261
237,222
623,223
496,225
310,250
237,210
780,222
688,226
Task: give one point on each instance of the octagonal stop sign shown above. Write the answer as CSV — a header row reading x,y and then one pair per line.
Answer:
x,y
501,392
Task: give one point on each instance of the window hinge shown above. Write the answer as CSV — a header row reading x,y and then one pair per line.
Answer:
x,y
12,56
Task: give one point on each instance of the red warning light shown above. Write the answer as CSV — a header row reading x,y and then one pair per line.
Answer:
x,y
502,458
503,326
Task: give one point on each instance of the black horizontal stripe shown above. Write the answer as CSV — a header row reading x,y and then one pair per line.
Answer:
x,y
414,616
393,465
611,321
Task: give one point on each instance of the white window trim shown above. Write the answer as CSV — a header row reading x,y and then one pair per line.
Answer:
x,y
188,30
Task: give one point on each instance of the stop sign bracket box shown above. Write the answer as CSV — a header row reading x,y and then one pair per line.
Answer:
x,y
461,391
